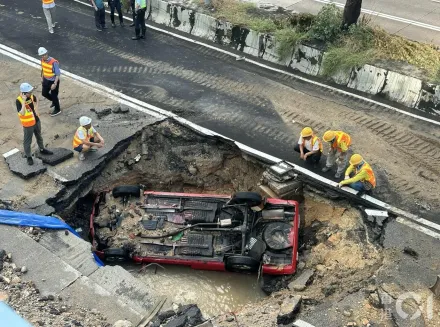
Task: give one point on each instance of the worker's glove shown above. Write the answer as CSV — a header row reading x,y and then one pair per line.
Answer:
x,y
346,177
340,185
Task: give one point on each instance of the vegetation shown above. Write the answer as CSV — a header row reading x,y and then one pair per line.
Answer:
x,y
346,47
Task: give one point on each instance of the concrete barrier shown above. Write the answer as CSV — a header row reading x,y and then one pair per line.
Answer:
x,y
306,58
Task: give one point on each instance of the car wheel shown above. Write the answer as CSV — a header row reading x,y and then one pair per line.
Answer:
x,y
126,190
241,263
115,255
252,199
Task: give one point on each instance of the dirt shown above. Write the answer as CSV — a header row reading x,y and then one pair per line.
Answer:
x,y
38,309
56,131
179,160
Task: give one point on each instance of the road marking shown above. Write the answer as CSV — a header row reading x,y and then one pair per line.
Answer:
x,y
10,153
161,113
418,227
280,71
390,17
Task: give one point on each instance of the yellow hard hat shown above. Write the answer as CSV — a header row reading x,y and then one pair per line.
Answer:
x,y
356,159
306,132
329,136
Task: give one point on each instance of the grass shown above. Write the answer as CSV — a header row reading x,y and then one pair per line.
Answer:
x,y
359,45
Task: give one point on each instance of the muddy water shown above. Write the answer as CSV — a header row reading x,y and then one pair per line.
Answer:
x,y
214,292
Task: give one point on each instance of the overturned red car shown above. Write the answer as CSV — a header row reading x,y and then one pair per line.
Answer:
x,y
241,233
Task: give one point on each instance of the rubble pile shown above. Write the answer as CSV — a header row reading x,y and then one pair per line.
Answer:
x,y
41,309
183,316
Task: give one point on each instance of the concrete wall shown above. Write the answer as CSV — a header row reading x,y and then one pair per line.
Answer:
x,y
307,59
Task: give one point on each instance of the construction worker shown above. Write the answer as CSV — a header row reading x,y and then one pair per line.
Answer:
x,y
86,138
49,12
359,175
98,6
27,107
50,79
115,4
339,150
140,8
309,146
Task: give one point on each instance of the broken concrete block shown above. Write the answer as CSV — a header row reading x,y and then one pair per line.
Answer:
x,y
289,308
300,283
102,112
116,109
266,191
19,166
283,188
436,288
177,322
59,155
124,110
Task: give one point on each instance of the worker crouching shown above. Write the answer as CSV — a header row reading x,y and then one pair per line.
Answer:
x,y
359,175
339,151
86,138
309,147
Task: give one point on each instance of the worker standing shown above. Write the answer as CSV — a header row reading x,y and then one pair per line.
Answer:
x,y
49,12
27,108
86,138
309,146
339,151
133,12
140,9
98,6
115,4
363,176
50,79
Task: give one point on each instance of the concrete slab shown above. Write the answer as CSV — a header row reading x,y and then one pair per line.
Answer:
x,y
71,249
119,282
49,273
59,155
93,296
18,165
114,134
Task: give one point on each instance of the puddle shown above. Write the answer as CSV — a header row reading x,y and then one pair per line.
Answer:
x,y
214,292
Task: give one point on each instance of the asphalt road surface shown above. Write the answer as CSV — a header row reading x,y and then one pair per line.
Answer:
x,y
416,20
261,109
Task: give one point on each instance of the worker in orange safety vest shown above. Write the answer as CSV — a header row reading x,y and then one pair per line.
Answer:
x,y
339,151
27,108
359,175
86,138
50,80
309,146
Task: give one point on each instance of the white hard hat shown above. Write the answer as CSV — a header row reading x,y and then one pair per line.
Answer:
x,y
26,87
42,51
84,120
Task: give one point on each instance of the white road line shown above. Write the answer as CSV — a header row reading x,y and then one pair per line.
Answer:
x,y
160,113
419,228
390,17
280,71
10,153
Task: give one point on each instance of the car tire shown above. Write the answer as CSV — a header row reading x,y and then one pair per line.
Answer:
x,y
126,190
252,199
115,255
241,263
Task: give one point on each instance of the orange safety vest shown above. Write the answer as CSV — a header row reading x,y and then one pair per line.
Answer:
x,y
341,137
77,141
366,167
28,119
314,139
47,2
47,68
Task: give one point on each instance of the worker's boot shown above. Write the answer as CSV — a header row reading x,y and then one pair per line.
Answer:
x,y
326,169
30,161
338,175
137,37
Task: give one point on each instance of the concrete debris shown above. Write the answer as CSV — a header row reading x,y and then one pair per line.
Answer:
x,y
230,318
436,288
116,109
411,252
122,323
125,110
59,155
18,165
347,313
288,310
300,283
184,316
102,112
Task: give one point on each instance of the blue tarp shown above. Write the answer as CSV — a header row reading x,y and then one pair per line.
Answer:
x,y
9,318
32,220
